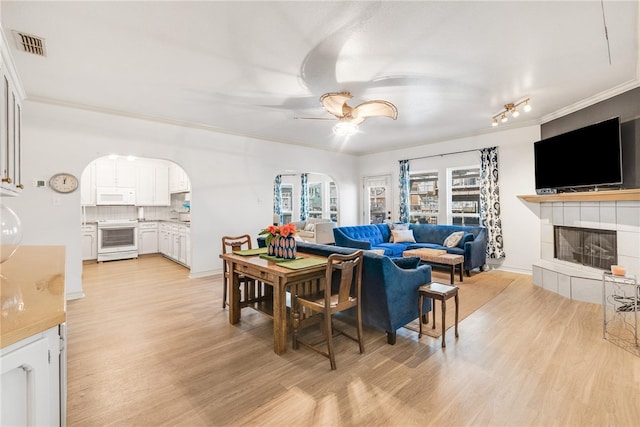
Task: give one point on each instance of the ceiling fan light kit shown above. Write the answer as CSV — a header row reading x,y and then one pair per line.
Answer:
x,y
512,109
350,117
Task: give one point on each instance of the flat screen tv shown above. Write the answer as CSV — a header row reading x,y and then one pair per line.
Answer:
x,y
587,157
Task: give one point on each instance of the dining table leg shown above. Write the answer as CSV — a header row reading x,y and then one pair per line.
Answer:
x,y
280,318
234,296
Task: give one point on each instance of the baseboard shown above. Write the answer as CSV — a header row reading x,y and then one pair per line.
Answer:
x,y
198,275
75,295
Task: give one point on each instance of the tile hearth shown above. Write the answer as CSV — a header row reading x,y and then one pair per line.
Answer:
x,y
576,281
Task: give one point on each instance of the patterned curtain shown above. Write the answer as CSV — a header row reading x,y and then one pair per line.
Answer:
x,y
404,191
277,198
304,197
490,202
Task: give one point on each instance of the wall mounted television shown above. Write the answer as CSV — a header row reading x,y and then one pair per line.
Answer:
x,y
582,159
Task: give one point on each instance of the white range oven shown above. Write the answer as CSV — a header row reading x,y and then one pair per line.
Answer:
x,y
117,239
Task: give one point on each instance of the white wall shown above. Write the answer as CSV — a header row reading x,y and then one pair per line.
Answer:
x,y
515,154
231,177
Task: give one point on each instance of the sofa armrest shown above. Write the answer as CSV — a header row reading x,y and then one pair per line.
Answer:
x,y
341,239
475,252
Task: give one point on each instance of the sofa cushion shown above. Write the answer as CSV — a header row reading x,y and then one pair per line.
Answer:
x,y
407,263
392,249
453,239
400,236
396,226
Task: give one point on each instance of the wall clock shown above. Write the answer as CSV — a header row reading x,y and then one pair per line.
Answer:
x,y
63,183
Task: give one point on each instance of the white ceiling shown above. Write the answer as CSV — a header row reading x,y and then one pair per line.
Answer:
x,y
250,68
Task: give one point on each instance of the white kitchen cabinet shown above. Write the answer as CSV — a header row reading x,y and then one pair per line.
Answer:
x,y
89,241
188,246
152,183
11,96
147,238
88,185
115,173
178,179
31,374
164,239
175,242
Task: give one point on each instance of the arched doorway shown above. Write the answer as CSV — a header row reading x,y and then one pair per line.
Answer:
x,y
135,206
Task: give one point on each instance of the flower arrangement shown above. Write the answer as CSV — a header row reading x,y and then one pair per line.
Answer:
x,y
276,231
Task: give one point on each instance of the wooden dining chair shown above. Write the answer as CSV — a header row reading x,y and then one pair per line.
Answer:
x,y
342,291
249,288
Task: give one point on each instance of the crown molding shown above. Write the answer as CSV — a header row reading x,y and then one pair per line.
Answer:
x,y
587,102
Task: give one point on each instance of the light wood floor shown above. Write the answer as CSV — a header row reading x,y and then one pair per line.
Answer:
x,y
147,346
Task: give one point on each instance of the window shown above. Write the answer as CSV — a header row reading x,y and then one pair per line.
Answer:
x,y
423,195
315,200
287,202
465,196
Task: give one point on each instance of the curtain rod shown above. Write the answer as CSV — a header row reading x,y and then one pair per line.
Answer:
x,y
445,154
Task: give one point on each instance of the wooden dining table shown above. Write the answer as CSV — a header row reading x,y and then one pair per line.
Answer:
x,y
279,278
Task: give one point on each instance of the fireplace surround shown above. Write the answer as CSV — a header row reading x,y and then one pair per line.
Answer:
x,y
578,281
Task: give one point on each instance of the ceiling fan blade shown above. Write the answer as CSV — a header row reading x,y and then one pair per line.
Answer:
x,y
314,118
375,108
335,103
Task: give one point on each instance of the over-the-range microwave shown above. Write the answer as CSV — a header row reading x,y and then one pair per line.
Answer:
x,y
115,196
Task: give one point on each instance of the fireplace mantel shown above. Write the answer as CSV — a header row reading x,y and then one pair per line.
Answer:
x,y
585,196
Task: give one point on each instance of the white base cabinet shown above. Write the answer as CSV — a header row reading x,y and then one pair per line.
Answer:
x,y
89,242
175,242
33,380
148,238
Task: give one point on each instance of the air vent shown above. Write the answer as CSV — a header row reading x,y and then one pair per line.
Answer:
x,y
30,44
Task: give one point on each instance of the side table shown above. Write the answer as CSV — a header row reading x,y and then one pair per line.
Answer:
x,y
620,307
441,292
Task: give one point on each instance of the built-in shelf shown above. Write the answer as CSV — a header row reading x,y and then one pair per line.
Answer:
x,y
585,196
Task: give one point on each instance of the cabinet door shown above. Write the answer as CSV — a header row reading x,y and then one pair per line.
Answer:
x,y
105,173
188,247
148,242
161,187
25,386
145,185
125,174
10,139
89,245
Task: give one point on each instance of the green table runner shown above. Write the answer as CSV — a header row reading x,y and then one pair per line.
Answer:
x,y
251,252
298,264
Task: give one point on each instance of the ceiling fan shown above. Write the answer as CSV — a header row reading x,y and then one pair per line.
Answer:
x,y
350,117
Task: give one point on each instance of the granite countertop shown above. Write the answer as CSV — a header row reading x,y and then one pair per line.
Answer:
x,y
32,290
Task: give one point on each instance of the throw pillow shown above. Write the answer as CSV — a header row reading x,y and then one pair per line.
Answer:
x,y
310,227
400,226
407,263
400,236
453,239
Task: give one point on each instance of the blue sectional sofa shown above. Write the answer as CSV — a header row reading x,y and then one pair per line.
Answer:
x,y
376,236
389,287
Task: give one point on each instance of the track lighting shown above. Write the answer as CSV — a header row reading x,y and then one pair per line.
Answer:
x,y
512,109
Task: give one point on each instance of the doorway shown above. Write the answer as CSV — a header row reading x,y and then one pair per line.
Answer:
x,y
377,199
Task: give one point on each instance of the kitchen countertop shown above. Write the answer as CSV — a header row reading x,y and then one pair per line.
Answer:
x,y
32,291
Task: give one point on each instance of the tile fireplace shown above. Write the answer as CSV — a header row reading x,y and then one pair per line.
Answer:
x,y
571,261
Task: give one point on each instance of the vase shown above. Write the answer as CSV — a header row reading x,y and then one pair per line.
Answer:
x,y
287,248
272,248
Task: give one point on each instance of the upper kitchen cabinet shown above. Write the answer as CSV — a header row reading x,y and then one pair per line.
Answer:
x,y
115,173
152,183
178,179
11,96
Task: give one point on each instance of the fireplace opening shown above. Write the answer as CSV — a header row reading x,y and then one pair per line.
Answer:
x,y
586,246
